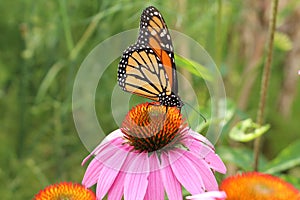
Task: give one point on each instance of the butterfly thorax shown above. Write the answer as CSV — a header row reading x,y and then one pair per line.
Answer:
x,y
170,100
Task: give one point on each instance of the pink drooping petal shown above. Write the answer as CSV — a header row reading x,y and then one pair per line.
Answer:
x,y
212,195
136,179
215,162
208,154
117,189
200,138
155,188
107,141
92,173
110,170
204,170
106,155
114,155
185,171
98,148
171,184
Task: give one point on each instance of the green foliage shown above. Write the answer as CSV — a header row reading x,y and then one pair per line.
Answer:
x,y
287,159
240,156
193,67
247,130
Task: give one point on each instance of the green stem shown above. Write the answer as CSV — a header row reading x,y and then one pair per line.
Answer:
x,y
265,79
23,94
23,107
91,29
66,24
218,35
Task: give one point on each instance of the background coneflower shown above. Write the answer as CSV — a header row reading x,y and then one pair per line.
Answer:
x,y
65,191
258,186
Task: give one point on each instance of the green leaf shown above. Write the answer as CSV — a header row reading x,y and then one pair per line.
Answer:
x,y
247,130
286,159
242,157
194,67
293,179
282,41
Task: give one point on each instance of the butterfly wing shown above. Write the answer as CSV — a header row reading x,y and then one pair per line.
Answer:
x,y
155,34
147,68
141,72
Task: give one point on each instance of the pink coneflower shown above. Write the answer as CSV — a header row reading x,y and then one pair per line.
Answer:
x,y
152,153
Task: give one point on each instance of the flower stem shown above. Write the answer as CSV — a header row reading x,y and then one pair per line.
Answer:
x,y
265,79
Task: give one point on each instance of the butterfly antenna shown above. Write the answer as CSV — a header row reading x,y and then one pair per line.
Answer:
x,y
186,113
196,111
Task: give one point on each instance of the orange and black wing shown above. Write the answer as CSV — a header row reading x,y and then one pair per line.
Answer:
x,y
155,34
141,72
147,68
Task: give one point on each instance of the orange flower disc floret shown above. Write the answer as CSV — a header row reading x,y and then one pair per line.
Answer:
x,y
258,186
150,127
65,191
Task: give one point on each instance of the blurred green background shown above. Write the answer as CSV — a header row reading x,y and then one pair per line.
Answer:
x,y
43,44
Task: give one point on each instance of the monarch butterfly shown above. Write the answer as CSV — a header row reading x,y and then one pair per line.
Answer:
x,y
147,68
